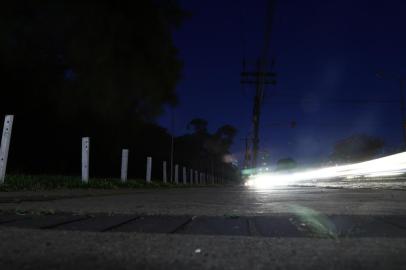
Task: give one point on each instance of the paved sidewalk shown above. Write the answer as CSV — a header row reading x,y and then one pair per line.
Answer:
x,y
27,249
223,201
207,228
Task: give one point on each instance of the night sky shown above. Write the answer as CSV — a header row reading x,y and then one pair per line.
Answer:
x,y
327,54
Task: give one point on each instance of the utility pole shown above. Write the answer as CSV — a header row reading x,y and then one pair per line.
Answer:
x,y
172,142
260,78
247,157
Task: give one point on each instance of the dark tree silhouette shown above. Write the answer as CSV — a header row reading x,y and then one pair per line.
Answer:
x,y
286,164
356,148
207,151
102,69
198,125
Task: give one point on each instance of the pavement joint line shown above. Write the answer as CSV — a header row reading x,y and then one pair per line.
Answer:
x,y
183,225
120,224
63,223
389,222
12,220
252,228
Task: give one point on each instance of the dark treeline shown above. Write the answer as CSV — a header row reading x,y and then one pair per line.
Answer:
x,y
357,148
103,69
205,150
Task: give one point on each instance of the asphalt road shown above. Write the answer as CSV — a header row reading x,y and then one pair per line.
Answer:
x,y
205,228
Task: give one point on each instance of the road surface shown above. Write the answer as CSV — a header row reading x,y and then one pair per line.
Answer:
x,y
205,228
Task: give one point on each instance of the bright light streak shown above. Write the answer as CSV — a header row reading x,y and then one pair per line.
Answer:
x,y
387,166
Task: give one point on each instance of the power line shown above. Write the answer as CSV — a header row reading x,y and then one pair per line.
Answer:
x,y
294,124
332,100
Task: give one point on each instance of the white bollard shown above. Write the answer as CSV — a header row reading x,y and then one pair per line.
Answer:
x,y
196,177
191,177
5,145
149,169
164,172
85,159
124,165
184,176
176,174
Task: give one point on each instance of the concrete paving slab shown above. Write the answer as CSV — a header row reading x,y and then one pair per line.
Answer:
x,y
6,218
364,226
278,226
43,222
398,221
97,223
217,226
154,224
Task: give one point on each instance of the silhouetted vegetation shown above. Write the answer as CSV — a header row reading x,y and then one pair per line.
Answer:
x,y
49,182
205,150
356,148
286,164
101,69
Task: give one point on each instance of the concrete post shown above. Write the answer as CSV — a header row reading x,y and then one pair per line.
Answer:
x,y
191,177
184,176
164,172
196,177
5,145
176,174
85,159
149,169
124,165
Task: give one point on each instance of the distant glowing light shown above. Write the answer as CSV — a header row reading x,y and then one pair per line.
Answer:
x,y
228,159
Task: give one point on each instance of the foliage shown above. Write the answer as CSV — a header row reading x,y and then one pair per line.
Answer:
x,y
359,147
47,182
286,164
102,69
98,69
207,151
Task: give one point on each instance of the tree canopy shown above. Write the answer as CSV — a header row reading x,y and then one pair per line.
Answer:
x,y
104,59
286,164
356,148
103,69
202,149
